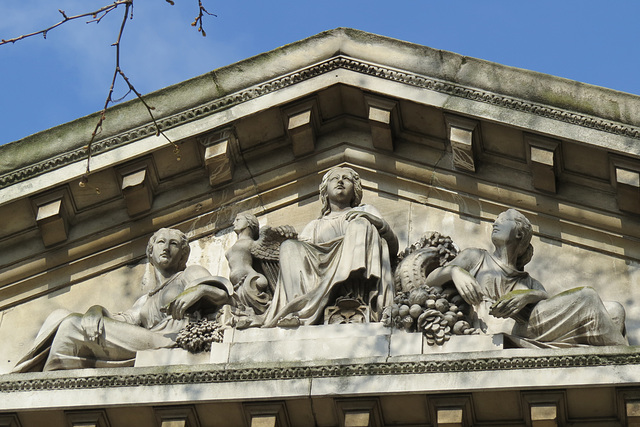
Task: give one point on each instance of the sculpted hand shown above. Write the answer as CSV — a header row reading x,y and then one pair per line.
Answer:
x,y
374,220
93,323
287,231
467,286
508,307
179,306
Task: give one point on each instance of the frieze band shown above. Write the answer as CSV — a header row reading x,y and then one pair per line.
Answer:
x,y
322,371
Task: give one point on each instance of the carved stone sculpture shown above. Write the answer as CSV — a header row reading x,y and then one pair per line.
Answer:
x,y
98,338
341,258
252,287
437,313
497,287
253,262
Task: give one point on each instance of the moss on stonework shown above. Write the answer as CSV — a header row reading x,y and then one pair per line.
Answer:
x,y
514,293
572,290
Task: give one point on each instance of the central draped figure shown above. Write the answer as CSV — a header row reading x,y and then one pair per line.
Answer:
x,y
344,254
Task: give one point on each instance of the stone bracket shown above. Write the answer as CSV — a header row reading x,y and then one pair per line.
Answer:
x,y
629,406
53,212
625,178
544,159
452,411
220,154
464,137
177,416
544,409
90,418
138,182
359,412
383,118
302,122
9,420
271,414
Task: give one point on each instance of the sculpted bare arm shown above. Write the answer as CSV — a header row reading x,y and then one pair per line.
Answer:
x,y
214,290
457,271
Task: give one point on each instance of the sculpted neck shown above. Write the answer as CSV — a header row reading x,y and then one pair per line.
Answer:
x,y
506,253
162,274
338,208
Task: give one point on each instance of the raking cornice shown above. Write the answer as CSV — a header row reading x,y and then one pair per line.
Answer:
x,y
332,64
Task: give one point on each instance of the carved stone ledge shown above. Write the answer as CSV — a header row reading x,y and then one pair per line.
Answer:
x,y
449,417
544,409
220,155
632,411
9,420
138,183
53,212
383,117
544,415
452,411
97,418
543,156
464,137
625,178
183,416
363,412
302,123
272,414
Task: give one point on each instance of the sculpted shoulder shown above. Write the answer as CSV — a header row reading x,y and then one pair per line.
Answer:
x,y
468,258
194,272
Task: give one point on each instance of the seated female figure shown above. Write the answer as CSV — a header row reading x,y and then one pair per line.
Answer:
x,y
344,253
497,287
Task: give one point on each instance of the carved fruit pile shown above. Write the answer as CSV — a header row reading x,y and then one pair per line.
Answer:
x,y
435,312
446,249
197,337
433,250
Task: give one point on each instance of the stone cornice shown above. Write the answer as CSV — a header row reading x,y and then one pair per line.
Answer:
x,y
133,377
338,62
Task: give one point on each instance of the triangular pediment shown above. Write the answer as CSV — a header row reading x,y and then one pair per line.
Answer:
x,y
441,142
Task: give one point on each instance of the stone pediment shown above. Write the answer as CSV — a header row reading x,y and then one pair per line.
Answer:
x,y
520,131
440,141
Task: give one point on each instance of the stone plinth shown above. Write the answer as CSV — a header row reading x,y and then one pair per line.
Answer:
x,y
322,342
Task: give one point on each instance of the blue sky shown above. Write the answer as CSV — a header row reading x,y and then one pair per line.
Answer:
x,y
44,83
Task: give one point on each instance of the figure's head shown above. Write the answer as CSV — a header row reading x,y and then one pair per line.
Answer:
x,y
168,250
340,185
512,229
246,220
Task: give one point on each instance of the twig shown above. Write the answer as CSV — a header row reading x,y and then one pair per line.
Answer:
x,y
103,10
198,20
97,16
118,72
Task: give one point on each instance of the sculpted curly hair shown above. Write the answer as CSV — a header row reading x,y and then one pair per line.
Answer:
x,y
253,224
523,225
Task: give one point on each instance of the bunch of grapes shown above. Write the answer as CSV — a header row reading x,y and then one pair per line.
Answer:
x,y
435,312
197,336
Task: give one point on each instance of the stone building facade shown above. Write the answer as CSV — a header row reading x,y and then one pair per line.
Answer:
x,y
441,142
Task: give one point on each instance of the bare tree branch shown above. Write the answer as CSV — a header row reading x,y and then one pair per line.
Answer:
x,y
97,16
103,11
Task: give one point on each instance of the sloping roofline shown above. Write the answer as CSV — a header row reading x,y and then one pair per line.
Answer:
x,y
65,142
